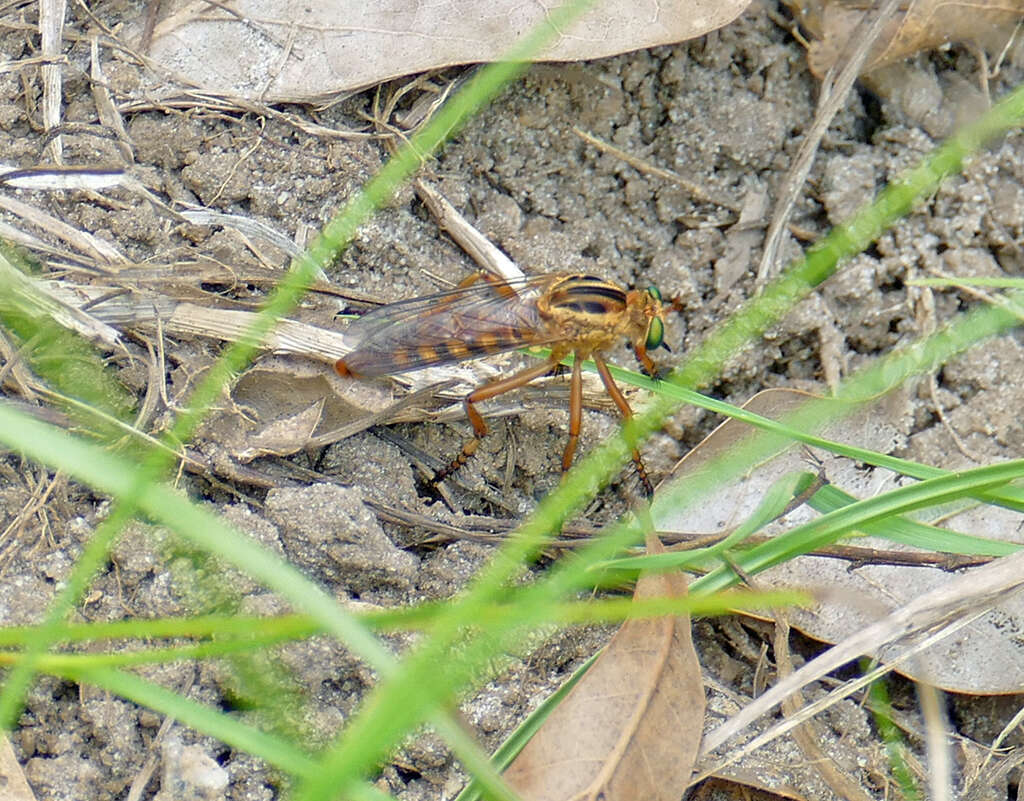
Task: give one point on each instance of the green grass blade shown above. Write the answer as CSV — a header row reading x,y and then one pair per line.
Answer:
x,y
1011,497
911,532
515,743
896,746
773,505
108,474
274,750
830,527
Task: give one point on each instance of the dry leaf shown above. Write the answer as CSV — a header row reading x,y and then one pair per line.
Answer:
x,y
303,51
742,239
984,658
12,777
631,728
283,405
747,790
923,25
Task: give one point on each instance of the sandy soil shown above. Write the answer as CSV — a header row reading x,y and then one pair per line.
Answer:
x,y
726,112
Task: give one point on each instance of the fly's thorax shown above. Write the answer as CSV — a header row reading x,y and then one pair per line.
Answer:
x,y
583,306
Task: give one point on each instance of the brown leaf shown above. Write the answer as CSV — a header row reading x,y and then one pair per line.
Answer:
x,y
631,728
923,25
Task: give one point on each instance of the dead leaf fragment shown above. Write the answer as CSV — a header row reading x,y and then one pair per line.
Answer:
x,y
631,727
12,777
922,25
301,51
281,406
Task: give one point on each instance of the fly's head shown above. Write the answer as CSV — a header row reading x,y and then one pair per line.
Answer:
x,y
648,320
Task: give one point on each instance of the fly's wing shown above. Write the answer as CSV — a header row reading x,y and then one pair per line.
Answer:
x,y
450,326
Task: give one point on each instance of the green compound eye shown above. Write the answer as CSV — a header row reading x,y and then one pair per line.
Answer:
x,y
654,292
655,333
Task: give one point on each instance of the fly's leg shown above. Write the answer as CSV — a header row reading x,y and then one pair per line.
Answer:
x,y
470,279
486,392
645,362
575,411
500,287
627,413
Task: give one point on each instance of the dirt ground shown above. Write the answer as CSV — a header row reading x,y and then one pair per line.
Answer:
x,y
727,112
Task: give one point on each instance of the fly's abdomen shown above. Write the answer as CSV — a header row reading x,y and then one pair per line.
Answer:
x,y
442,339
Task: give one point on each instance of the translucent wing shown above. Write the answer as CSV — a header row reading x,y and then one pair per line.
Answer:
x,y
447,327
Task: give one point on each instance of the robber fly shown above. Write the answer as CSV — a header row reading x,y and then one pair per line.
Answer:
x,y
567,312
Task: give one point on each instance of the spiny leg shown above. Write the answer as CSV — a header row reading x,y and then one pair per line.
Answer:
x,y
575,411
627,414
486,392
